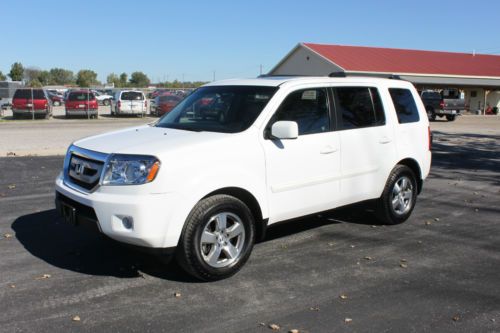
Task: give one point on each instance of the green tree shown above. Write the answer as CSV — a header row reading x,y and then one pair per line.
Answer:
x,y
123,79
113,79
86,78
16,71
139,79
61,76
44,77
35,83
30,74
2,76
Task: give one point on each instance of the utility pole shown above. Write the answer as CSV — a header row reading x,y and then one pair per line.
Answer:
x,y
260,69
213,77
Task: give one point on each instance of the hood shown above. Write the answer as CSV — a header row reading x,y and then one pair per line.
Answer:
x,y
147,140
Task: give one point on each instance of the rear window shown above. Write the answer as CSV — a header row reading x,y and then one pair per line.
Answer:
x,y
132,96
169,99
405,105
431,95
360,107
80,96
27,94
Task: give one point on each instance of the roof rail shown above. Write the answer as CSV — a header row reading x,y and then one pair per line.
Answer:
x,y
394,77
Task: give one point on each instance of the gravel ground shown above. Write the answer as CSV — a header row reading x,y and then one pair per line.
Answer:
x,y
438,272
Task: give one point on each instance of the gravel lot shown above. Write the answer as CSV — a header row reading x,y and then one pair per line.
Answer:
x,y
437,272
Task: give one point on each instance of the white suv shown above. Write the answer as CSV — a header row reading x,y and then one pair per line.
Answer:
x,y
235,156
129,102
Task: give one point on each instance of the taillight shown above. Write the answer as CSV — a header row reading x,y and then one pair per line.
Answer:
x,y
119,104
145,104
429,137
441,104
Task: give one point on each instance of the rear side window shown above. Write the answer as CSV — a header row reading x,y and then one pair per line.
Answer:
x,y
359,107
80,96
131,96
26,94
308,108
405,105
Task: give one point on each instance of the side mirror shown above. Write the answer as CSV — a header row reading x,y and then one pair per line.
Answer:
x,y
285,130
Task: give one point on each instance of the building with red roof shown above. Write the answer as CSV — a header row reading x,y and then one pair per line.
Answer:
x,y
476,75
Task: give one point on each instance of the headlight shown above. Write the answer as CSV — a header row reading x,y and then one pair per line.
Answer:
x,y
130,170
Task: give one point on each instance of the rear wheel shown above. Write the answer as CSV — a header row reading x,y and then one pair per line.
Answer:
x,y
399,196
450,117
105,102
218,238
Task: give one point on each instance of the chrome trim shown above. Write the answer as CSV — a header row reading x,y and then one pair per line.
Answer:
x,y
89,154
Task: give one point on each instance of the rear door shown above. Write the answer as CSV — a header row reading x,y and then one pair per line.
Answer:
x,y
133,101
367,142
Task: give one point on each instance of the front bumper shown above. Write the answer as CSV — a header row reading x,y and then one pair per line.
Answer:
x,y
150,214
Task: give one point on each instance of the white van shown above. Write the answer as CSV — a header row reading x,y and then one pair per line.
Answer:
x,y
206,179
129,102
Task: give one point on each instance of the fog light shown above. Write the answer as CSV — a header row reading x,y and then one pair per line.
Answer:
x,y
128,222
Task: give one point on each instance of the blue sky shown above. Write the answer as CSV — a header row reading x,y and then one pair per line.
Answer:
x,y
166,39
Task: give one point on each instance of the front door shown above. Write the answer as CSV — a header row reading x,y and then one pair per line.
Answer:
x,y
303,173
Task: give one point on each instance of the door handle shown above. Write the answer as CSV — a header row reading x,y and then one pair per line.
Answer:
x,y
328,150
384,140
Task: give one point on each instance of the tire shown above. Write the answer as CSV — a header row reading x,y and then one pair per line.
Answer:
x,y
105,102
394,205
450,117
57,103
210,258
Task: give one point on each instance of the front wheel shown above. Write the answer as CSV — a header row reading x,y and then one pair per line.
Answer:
x,y
217,239
399,196
450,117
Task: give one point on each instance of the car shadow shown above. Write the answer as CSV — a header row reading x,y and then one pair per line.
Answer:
x,y
46,236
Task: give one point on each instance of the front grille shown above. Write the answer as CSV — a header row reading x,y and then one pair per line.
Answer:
x,y
84,172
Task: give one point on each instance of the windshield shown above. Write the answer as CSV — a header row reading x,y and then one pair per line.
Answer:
x,y
226,109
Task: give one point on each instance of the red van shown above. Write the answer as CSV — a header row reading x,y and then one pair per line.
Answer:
x,y
81,103
31,102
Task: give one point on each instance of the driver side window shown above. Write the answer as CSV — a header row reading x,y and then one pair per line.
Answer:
x,y
308,108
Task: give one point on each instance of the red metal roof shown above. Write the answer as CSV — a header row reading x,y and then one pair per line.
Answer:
x,y
385,60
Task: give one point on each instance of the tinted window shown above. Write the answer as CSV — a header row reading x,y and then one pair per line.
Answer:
x,y
359,107
80,96
431,95
169,98
131,96
308,108
226,109
26,93
405,106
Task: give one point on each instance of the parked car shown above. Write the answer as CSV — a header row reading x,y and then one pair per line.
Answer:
x,y
446,103
31,102
205,189
130,102
102,98
56,98
164,104
81,103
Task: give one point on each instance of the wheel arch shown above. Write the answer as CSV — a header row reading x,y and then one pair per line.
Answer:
x,y
253,204
415,167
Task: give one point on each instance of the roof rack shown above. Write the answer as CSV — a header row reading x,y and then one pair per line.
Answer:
x,y
337,74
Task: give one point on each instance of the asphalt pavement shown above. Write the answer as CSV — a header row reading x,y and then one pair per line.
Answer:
x,y
339,271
